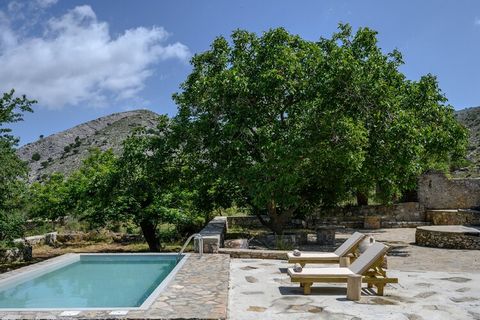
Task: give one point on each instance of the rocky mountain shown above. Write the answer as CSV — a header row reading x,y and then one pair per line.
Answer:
x,y
64,151
470,118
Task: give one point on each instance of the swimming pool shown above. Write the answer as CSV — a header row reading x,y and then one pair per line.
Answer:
x,y
91,281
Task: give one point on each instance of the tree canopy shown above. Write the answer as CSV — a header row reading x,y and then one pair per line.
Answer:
x,y
143,185
291,124
12,170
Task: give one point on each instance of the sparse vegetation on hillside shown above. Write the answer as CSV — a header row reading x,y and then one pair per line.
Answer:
x,y
470,118
66,150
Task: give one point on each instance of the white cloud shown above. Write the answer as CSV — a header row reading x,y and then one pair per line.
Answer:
x,y
46,3
77,61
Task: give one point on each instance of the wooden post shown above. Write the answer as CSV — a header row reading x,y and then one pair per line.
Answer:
x,y
306,288
354,287
380,287
344,262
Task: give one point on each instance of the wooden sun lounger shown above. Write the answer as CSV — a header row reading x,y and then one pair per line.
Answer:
x,y
348,249
368,267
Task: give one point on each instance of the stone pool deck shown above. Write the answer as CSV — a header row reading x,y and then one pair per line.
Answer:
x,y
198,291
261,289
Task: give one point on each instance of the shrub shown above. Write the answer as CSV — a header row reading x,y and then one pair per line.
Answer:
x,y
12,225
36,156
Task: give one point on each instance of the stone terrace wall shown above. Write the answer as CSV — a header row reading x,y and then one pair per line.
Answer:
x,y
436,191
408,214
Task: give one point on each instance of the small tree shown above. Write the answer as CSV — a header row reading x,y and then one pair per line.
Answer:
x,y
13,171
51,199
36,156
143,185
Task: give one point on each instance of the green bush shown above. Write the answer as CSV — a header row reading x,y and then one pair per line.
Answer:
x,y
11,227
36,156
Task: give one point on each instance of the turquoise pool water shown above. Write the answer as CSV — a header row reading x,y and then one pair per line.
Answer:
x,y
95,281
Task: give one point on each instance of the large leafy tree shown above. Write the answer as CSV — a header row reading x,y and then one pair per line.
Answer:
x,y
294,124
410,127
13,171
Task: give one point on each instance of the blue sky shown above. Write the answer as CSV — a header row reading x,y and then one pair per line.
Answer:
x,y
85,59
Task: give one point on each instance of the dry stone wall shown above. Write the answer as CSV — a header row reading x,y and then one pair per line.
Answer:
x,y
448,237
436,191
407,214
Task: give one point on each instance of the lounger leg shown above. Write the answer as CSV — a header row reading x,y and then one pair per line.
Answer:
x,y
380,287
354,287
307,288
344,261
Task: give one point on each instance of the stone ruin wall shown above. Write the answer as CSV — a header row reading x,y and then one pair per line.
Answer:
x,y
436,191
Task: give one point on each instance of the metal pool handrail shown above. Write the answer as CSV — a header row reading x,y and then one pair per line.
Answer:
x,y
200,244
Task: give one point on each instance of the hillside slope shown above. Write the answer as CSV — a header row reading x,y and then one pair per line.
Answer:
x,y
64,151
470,118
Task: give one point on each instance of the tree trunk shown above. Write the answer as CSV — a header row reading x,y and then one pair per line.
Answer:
x,y
277,220
362,199
150,234
409,196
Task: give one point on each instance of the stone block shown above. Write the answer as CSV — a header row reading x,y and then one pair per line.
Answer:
x,y
51,238
236,244
326,235
372,222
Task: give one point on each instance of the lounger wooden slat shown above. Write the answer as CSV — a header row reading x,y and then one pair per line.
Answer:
x,y
348,249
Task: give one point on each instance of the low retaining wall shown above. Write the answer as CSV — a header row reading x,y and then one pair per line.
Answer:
x,y
48,239
453,217
53,238
254,254
213,235
244,222
407,214
401,215
449,237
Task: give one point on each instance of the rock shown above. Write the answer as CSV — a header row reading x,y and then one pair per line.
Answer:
x,y
51,238
372,222
237,244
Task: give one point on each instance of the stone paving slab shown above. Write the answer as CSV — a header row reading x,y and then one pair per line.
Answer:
x,y
261,289
199,290
451,229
